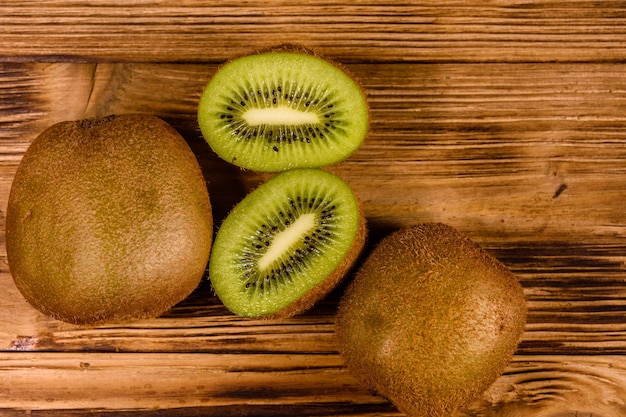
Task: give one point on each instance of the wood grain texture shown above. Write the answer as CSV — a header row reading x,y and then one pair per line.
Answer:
x,y
362,30
505,119
507,149
283,385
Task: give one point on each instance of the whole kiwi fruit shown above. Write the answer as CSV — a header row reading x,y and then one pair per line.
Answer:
x,y
108,220
430,320
283,107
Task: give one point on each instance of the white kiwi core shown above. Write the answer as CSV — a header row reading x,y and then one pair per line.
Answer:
x,y
281,115
285,239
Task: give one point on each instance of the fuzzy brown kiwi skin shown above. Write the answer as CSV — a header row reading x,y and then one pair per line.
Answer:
x,y
71,177
386,343
308,300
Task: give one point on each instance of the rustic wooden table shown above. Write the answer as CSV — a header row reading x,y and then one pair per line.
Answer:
x,y
503,118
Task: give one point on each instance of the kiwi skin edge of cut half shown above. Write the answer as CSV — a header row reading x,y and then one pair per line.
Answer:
x,y
298,155
308,300
430,320
222,273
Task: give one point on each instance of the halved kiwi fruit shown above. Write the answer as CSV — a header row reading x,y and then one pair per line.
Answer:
x,y
287,244
283,108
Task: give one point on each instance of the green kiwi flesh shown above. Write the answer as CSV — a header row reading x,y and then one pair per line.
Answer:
x,y
108,220
283,108
287,244
430,320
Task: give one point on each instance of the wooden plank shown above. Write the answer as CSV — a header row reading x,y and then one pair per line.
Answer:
x,y
556,386
502,151
200,31
575,296
281,385
152,382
